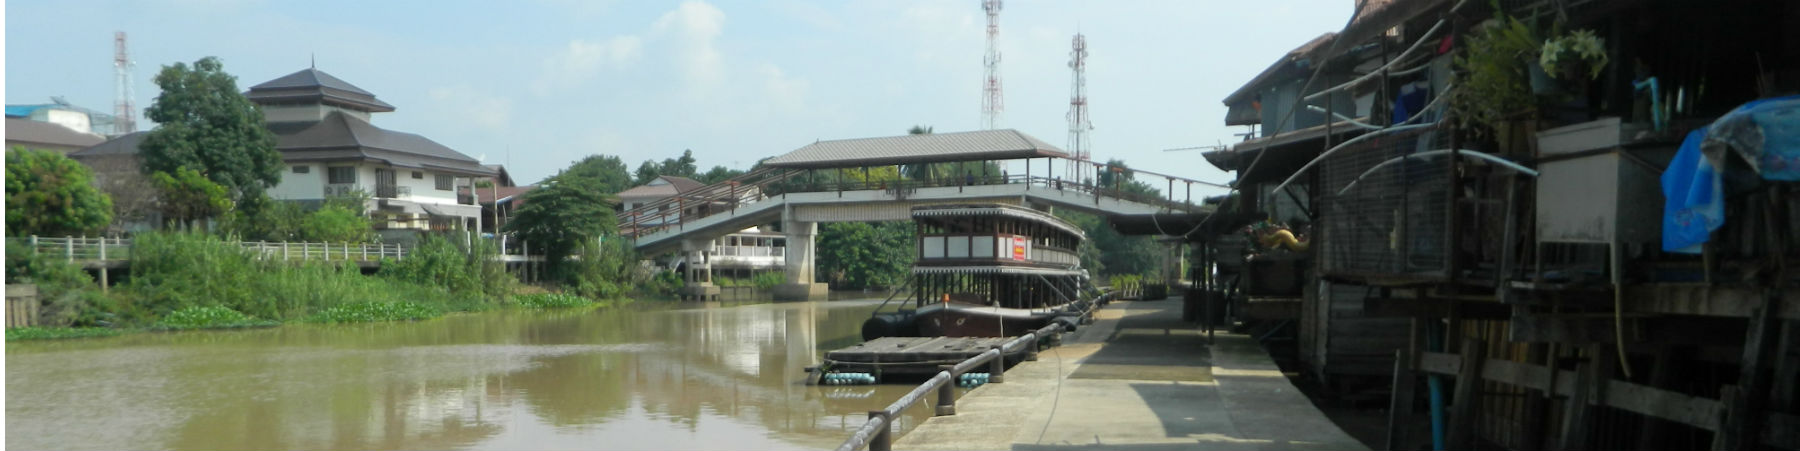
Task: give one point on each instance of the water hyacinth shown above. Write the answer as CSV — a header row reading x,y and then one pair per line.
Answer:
x,y
209,317
369,312
551,300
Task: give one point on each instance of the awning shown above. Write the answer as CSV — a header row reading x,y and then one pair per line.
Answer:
x,y
464,211
996,269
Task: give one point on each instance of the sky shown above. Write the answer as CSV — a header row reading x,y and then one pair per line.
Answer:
x,y
538,84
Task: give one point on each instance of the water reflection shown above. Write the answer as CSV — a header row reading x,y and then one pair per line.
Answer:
x,y
696,376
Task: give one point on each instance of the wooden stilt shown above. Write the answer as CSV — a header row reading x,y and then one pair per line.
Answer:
x,y
1467,395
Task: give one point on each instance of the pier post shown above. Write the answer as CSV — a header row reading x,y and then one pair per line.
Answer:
x,y
946,402
997,366
1031,347
799,262
884,438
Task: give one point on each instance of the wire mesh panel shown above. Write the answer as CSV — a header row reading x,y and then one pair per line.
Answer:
x,y
1386,206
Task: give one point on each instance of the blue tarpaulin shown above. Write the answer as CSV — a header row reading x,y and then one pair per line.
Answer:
x,y
1765,132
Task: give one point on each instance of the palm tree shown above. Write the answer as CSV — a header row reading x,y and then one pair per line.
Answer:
x,y
923,171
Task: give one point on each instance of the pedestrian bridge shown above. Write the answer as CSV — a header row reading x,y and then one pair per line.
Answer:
x,y
829,181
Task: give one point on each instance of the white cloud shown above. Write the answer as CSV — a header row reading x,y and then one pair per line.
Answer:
x,y
467,105
696,25
583,59
787,93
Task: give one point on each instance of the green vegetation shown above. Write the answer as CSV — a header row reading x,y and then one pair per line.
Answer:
x,y
369,312
686,166
761,281
189,197
865,254
68,296
438,262
49,194
551,300
209,317
47,333
1493,73
204,123
605,173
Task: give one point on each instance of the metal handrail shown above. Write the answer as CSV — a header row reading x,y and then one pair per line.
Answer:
x,y
100,248
876,433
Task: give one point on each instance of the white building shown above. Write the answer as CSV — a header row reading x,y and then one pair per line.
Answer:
x,y
323,130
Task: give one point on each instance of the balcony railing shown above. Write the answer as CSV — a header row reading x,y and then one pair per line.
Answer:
x,y
392,191
749,251
340,189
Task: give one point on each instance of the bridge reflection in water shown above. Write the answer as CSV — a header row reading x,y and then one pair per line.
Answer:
x,y
645,377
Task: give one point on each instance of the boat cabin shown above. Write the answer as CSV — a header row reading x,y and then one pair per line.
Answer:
x,y
995,255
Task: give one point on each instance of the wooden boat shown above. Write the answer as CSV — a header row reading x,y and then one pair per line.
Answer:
x,y
988,270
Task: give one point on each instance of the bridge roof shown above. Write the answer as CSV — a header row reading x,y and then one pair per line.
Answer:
x,y
911,149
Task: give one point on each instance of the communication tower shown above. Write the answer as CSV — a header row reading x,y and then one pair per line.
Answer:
x,y
992,99
125,115
1079,146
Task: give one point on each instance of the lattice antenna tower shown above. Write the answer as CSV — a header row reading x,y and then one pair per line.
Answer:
x,y
1079,146
124,114
992,97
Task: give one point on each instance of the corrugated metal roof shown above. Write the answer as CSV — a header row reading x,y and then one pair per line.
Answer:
x,y
30,131
910,149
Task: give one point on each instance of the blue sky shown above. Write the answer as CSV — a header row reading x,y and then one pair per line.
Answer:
x,y
537,84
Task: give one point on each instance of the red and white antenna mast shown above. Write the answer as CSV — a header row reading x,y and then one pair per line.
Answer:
x,y
124,115
1079,147
992,98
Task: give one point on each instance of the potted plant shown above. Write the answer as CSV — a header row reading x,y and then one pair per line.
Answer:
x,y
1577,56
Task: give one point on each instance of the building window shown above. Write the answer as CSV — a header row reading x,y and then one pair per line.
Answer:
x,y
418,175
444,182
302,169
340,174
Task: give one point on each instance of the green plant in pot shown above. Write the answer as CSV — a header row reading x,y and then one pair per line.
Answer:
x,y
1578,56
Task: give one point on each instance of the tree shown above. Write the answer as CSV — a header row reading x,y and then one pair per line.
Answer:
x,y
865,254
206,125
686,166
562,215
606,172
718,174
189,197
336,224
50,194
647,172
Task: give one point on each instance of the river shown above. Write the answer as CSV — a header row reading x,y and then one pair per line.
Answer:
x,y
645,376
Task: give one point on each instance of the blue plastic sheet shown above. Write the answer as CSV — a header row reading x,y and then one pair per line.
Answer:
x,y
1693,200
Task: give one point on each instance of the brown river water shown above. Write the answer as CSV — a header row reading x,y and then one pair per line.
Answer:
x,y
646,376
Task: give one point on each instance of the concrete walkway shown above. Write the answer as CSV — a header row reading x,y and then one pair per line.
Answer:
x,y
1137,379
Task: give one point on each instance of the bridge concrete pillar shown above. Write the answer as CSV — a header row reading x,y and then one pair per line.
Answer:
x,y
799,255
698,276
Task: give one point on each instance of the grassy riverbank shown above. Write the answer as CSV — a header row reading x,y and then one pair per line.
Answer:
x,y
188,281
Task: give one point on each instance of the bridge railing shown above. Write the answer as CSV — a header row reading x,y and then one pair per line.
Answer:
x,y
76,248
677,211
876,434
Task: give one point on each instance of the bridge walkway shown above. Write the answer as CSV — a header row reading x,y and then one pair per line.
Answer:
x,y
772,195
